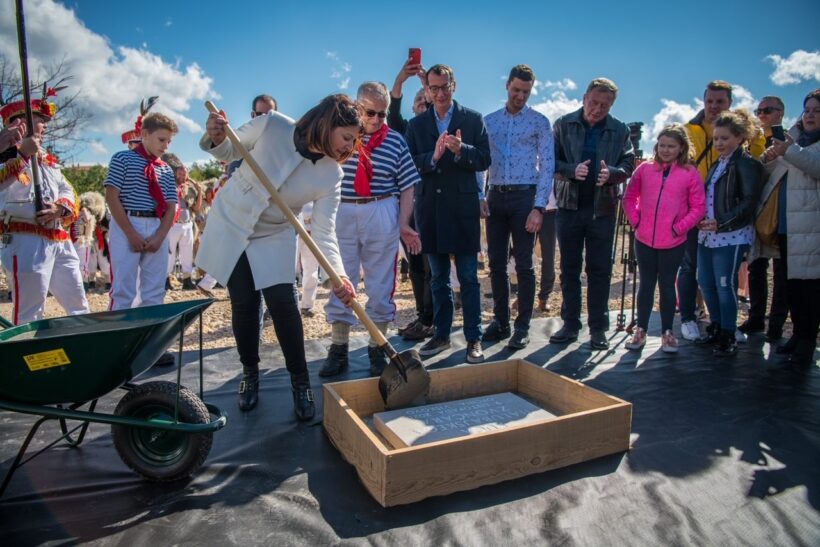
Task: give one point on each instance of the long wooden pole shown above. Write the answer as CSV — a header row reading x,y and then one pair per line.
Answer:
x,y
21,43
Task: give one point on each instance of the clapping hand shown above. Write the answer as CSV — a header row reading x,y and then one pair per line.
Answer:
x,y
453,142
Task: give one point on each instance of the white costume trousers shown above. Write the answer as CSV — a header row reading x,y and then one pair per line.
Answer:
x,y
368,237
37,266
97,261
137,279
181,242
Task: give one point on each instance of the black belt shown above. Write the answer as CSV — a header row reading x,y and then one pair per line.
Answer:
x,y
359,201
144,214
504,188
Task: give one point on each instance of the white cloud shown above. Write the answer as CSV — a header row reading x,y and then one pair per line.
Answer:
x,y
339,70
564,84
557,105
344,83
111,80
99,148
168,22
799,66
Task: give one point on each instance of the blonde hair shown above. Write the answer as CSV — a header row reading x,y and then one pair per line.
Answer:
x,y
739,122
677,132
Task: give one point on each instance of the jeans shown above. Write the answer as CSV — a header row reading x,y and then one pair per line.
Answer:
x,y
717,276
579,230
759,292
687,278
546,240
508,218
657,266
467,271
246,305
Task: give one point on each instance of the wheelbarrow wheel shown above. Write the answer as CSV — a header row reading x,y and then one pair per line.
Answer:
x,y
158,454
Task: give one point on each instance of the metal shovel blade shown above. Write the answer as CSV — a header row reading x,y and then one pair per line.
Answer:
x,y
404,379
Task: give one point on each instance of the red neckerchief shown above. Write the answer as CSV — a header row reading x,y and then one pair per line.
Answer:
x,y
153,181
364,171
100,238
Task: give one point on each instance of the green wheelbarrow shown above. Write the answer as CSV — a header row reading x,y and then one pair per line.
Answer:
x,y
54,367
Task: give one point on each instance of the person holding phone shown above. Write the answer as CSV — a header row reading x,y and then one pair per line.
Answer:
x,y
770,112
732,190
794,165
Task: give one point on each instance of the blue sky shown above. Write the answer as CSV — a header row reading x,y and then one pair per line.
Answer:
x,y
660,56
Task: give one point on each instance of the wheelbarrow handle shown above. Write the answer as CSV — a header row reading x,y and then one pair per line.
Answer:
x,y
335,279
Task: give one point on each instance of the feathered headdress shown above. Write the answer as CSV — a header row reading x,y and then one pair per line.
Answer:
x,y
136,133
41,106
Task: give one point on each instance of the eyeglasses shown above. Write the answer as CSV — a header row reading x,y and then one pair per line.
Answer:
x,y
372,113
435,89
767,110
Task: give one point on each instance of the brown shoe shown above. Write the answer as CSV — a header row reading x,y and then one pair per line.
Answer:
x,y
474,352
417,331
542,305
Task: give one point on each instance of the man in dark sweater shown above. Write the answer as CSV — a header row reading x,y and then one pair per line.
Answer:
x,y
593,156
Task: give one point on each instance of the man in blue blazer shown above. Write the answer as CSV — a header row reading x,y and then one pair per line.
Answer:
x,y
450,147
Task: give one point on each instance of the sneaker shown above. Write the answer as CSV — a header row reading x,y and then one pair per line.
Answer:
x,y
496,331
417,331
726,344
564,336
669,344
638,340
408,326
474,352
740,338
751,326
336,360
434,346
519,340
690,331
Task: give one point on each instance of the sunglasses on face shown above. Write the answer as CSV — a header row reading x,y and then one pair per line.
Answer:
x,y
372,113
766,110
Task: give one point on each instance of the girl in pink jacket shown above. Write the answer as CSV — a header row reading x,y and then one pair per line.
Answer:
x,y
663,201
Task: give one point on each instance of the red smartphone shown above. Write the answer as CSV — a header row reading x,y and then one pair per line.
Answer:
x,y
415,56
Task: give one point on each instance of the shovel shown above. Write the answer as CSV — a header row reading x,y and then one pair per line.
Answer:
x,y
404,377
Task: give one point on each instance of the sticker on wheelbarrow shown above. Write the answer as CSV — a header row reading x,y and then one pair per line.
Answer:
x,y
46,359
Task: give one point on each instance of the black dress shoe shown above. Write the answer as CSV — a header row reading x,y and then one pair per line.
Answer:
x,y
303,405
167,359
726,344
774,333
336,360
496,331
751,326
788,347
519,340
248,392
564,335
434,346
417,331
803,353
597,339
378,360
711,336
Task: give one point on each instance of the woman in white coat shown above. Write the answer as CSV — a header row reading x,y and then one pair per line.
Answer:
x,y
250,246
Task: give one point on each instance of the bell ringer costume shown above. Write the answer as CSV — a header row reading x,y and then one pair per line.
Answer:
x,y
38,258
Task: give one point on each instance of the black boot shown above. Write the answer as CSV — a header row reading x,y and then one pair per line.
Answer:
x,y
711,336
168,286
803,354
336,360
249,391
726,344
188,284
788,347
303,404
378,360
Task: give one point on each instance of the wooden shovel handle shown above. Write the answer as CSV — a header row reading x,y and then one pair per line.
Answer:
x,y
374,331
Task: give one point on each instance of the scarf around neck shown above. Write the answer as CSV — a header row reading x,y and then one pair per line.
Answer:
x,y
364,171
153,181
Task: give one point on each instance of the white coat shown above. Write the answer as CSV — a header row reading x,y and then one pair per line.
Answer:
x,y
243,217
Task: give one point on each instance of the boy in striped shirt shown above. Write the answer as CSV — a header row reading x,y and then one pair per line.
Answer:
x,y
141,194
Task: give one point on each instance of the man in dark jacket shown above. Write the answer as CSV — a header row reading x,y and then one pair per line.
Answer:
x,y
449,145
593,155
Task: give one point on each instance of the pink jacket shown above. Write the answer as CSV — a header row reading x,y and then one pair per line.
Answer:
x,y
663,211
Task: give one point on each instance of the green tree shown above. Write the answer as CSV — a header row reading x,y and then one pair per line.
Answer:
x,y
86,178
210,169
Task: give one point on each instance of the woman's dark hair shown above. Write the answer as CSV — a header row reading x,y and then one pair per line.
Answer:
x,y
812,95
318,123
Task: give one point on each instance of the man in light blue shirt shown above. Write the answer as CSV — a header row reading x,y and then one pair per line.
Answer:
x,y
520,183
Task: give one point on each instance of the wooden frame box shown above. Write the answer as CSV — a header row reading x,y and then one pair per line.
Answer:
x,y
590,424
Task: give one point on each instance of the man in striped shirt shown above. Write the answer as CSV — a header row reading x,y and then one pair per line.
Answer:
x,y
368,225
141,194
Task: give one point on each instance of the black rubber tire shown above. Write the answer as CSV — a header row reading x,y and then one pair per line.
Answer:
x,y
156,454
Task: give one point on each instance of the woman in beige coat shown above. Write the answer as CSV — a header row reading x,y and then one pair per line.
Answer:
x,y
250,246
793,166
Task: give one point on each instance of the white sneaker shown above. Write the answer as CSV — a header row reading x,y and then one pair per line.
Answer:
x,y
740,338
690,331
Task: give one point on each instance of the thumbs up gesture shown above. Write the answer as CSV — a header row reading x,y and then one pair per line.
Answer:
x,y
453,142
582,170
603,174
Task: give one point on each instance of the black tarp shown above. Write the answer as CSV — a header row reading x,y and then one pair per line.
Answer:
x,y
725,451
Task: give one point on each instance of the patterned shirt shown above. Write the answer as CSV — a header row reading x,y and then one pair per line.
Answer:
x,y
126,172
521,147
393,168
712,240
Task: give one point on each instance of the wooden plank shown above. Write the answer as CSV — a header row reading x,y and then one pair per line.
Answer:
x,y
559,393
466,381
361,395
354,440
469,462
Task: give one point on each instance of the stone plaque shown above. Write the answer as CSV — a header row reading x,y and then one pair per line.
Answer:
x,y
425,424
